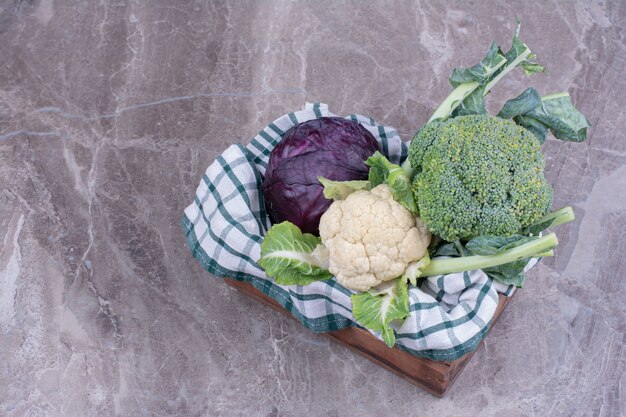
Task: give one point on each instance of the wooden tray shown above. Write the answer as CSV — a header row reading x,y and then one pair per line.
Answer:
x,y
433,376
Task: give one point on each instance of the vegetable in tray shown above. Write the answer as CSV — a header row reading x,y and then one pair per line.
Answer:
x,y
471,195
333,146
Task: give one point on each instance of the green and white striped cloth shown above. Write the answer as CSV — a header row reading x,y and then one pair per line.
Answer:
x,y
226,222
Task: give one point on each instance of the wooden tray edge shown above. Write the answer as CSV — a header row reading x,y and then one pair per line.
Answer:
x,y
436,377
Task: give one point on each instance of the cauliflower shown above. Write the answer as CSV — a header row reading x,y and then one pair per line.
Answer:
x,y
371,238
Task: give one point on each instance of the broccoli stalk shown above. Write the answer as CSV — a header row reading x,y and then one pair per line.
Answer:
x,y
535,248
455,98
555,218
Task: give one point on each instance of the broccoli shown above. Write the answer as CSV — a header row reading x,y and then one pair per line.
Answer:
x,y
478,175
475,174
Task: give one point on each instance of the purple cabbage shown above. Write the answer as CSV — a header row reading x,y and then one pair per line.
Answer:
x,y
329,147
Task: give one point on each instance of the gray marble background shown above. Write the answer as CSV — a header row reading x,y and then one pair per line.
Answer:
x,y
110,111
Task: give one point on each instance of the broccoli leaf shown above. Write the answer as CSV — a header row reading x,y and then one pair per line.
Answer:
x,y
515,251
447,249
377,308
509,274
339,190
525,102
472,84
481,71
474,103
493,245
531,68
537,114
519,55
518,48
290,256
481,250
557,113
382,171
534,126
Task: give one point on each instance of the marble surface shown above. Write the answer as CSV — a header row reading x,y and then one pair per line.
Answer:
x,y
110,111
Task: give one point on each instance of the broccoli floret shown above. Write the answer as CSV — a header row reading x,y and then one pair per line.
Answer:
x,y
478,175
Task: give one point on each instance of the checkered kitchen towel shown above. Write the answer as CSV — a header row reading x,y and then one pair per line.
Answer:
x,y
226,223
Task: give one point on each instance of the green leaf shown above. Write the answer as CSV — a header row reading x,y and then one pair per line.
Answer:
x,y
533,125
518,55
481,71
414,269
518,242
525,102
558,113
492,245
377,308
534,247
531,68
292,276
339,190
518,48
447,249
289,256
473,104
382,171
509,275
472,84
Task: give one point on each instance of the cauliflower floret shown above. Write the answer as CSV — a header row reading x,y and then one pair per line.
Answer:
x,y
371,238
